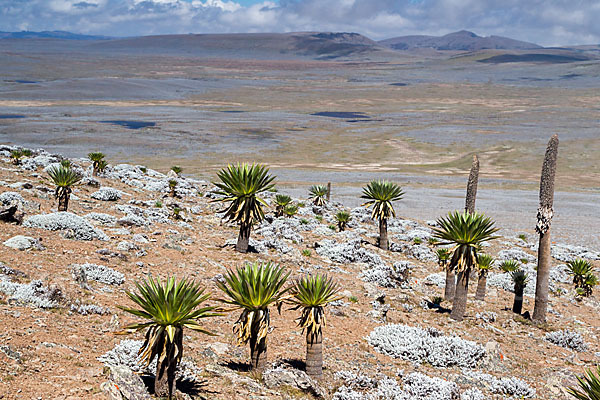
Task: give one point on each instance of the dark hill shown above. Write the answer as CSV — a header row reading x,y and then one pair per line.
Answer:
x,y
320,45
49,35
457,41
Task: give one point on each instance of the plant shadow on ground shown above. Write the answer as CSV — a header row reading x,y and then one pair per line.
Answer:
x,y
438,308
295,363
237,366
194,388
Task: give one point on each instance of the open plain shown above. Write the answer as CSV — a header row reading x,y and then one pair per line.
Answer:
x,y
415,118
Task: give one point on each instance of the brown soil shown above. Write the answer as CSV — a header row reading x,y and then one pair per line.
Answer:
x,y
59,349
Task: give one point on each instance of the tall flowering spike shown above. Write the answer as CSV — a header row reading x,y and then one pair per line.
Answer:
x,y
546,211
544,217
472,186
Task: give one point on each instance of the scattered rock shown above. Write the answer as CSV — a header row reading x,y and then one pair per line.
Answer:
x,y
124,384
66,221
21,242
284,375
100,273
107,194
425,345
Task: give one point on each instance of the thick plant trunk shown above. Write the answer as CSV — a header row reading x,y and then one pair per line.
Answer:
x,y
258,353
481,287
243,238
459,305
450,287
164,381
543,274
472,186
328,191
63,202
383,235
95,169
314,355
544,218
518,302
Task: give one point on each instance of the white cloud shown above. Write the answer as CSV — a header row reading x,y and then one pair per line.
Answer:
x,y
547,22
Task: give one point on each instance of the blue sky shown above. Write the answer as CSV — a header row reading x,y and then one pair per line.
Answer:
x,y
546,22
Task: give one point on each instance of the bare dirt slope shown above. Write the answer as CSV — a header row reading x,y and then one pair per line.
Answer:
x,y
52,352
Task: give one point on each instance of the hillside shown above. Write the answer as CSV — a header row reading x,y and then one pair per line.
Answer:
x,y
62,276
457,41
50,35
320,45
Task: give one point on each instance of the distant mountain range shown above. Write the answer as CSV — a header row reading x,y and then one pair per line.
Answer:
x,y
458,41
318,45
323,46
49,35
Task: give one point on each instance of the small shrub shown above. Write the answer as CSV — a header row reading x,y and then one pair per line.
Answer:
x,y
306,253
177,169
353,299
432,241
158,204
567,339
509,266
290,210
417,240
304,221
523,237
332,227
319,218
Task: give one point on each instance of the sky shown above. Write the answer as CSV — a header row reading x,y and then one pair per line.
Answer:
x,y
545,22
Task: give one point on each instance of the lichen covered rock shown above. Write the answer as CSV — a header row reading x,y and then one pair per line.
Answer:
x,y
62,221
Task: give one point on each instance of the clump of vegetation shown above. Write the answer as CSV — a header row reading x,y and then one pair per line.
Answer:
x,y
319,218
18,154
290,210
520,280
432,241
66,163
466,231
523,237
98,162
304,221
589,386
579,269
253,288
587,287
158,204
342,218
240,185
318,194
64,179
437,300
177,169
443,256
332,227
380,195
306,253
312,294
172,187
484,265
509,266
281,201
168,307
353,299
177,213
417,240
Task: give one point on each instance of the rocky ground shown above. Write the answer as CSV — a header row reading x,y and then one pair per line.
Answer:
x,y
63,274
